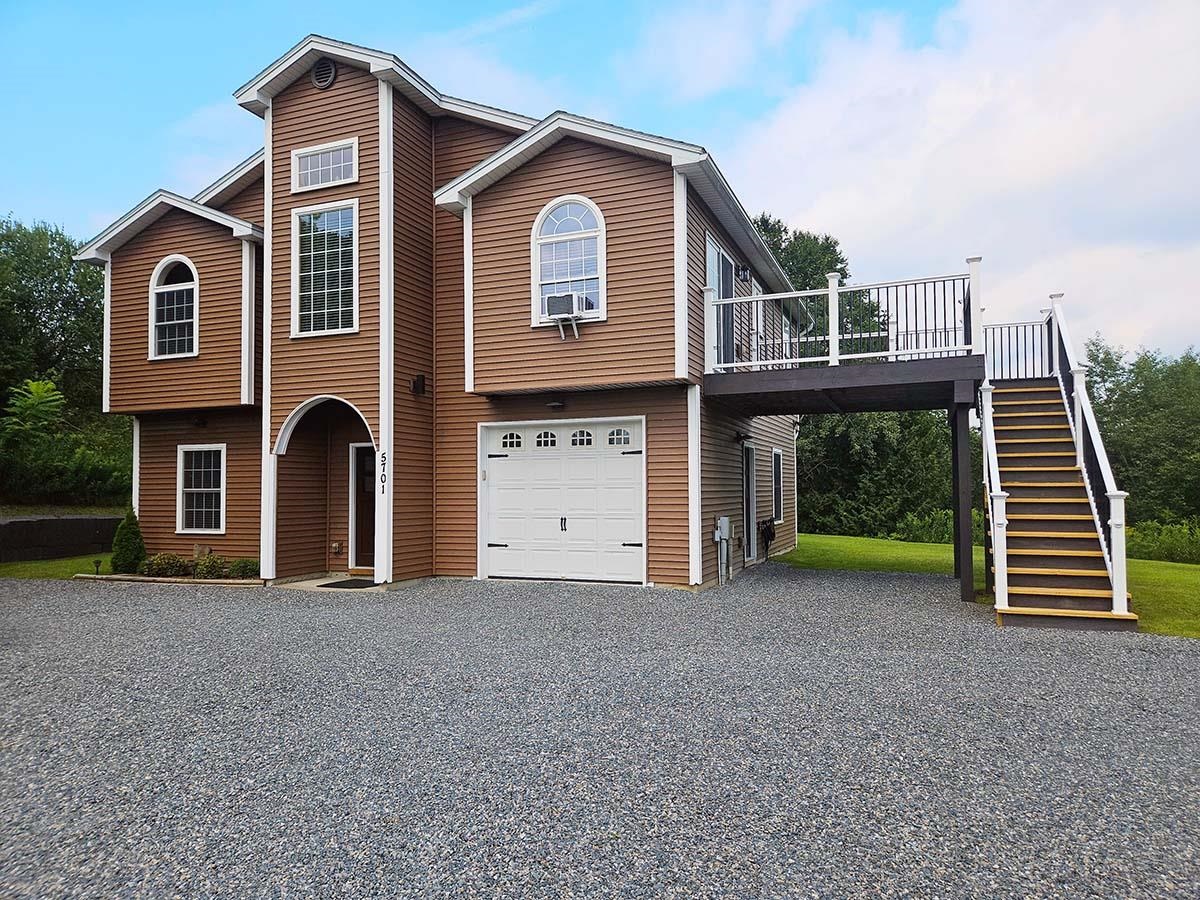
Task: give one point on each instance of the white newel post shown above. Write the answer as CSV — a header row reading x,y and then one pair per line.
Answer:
x,y
835,319
1000,546
710,330
976,335
1079,380
1116,519
1054,300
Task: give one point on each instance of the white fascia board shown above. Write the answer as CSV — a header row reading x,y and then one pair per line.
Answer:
x,y
100,248
233,181
550,131
486,115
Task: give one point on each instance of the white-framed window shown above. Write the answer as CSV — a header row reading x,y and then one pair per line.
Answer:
x,y
581,438
567,255
200,489
618,437
174,308
325,269
776,486
511,441
546,439
719,274
325,165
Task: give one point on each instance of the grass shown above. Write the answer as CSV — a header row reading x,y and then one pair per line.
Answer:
x,y
1166,595
11,511
57,568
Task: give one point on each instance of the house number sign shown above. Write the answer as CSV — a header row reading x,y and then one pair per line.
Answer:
x,y
383,472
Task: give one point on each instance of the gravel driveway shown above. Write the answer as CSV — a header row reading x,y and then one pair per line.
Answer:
x,y
808,733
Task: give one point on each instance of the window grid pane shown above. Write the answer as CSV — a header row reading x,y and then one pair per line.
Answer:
x,y
325,166
202,490
326,270
174,322
570,265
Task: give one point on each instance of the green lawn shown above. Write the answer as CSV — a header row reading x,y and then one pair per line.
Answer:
x,y
56,568
1166,596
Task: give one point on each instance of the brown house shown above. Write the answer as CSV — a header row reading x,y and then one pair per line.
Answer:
x,y
419,336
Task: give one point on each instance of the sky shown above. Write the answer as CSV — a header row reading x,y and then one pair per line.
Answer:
x,y
1055,138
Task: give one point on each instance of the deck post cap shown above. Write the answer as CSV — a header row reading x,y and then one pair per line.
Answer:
x,y
974,259
1057,296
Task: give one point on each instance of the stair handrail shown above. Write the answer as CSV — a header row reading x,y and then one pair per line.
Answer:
x,y
997,496
1085,431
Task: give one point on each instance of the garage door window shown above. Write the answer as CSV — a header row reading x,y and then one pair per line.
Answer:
x,y
618,437
547,439
581,438
511,441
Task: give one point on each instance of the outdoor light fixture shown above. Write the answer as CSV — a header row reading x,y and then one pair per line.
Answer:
x,y
742,273
556,405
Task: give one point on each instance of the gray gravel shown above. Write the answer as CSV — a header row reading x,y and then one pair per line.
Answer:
x,y
802,733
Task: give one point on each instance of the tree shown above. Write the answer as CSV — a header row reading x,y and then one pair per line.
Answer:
x,y
806,257
129,549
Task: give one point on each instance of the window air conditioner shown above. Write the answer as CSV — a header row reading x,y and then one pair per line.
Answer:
x,y
566,307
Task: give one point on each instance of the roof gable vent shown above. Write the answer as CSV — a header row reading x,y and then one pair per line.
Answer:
x,y
324,73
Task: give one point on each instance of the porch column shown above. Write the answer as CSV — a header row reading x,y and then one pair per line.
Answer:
x,y
961,453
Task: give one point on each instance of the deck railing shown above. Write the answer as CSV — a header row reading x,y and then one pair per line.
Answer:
x,y
1018,349
995,496
889,321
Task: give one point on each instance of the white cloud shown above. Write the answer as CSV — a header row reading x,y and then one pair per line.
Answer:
x,y
207,143
1060,146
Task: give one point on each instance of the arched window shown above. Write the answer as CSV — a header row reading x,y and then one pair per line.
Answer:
x,y
581,438
511,441
618,437
568,256
546,439
174,308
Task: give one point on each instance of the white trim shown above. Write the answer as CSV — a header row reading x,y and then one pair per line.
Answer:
x,y
468,300
351,544
155,288
296,213
180,449
230,182
106,375
750,504
270,463
776,453
137,465
681,276
695,537
536,320
149,211
387,335
481,466
351,142
248,261
284,438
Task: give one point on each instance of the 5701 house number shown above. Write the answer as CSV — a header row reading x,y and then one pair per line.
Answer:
x,y
383,472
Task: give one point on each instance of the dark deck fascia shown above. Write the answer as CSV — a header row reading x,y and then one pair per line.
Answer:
x,y
871,387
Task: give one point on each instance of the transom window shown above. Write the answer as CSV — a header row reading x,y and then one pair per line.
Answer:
x,y
511,441
568,256
581,438
325,268
201,489
173,294
618,437
546,439
325,165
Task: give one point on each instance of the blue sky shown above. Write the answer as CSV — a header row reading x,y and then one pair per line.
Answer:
x,y
917,132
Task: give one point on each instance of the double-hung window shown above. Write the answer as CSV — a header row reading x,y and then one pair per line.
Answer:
x,y
200,489
325,269
174,300
568,256
325,165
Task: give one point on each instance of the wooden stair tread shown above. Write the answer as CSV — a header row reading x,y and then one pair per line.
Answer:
x,y
1036,440
1028,590
1025,402
1073,535
1039,454
1016,415
1045,484
1047,499
1035,570
1074,613
1024,390
1053,517
1036,551
1040,469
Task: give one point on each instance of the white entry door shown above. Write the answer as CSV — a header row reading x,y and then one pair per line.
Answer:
x,y
564,500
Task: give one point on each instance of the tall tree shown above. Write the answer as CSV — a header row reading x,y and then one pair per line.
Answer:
x,y
806,257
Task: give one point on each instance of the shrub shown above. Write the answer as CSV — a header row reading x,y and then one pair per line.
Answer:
x,y
243,568
212,566
165,565
1170,541
935,527
128,549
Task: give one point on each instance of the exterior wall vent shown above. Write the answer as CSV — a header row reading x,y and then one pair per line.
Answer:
x,y
324,73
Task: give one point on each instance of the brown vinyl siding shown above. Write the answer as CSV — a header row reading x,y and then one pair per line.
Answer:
x,y
213,377
412,465
636,344
346,365
161,434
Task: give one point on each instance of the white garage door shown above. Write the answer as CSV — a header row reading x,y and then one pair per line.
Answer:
x,y
564,500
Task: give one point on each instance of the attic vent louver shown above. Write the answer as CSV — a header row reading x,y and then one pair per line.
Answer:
x,y
323,73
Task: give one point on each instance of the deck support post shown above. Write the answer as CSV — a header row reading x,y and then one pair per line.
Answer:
x,y
961,453
955,475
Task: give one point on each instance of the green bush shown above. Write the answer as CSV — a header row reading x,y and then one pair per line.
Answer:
x,y
1170,541
243,568
212,566
128,549
935,527
165,565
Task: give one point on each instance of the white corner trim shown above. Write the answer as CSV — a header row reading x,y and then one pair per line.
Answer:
x,y
106,375
296,213
535,259
180,450
695,545
387,334
137,465
468,302
351,142
266,528
247,392
681,276
152,320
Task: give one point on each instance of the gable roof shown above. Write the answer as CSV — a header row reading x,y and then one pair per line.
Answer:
x,y
691,160
99,249
255,95
234,181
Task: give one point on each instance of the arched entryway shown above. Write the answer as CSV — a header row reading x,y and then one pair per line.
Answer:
x,y
325,497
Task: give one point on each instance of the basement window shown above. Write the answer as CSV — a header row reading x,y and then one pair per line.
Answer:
x,y
200,489
325,165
